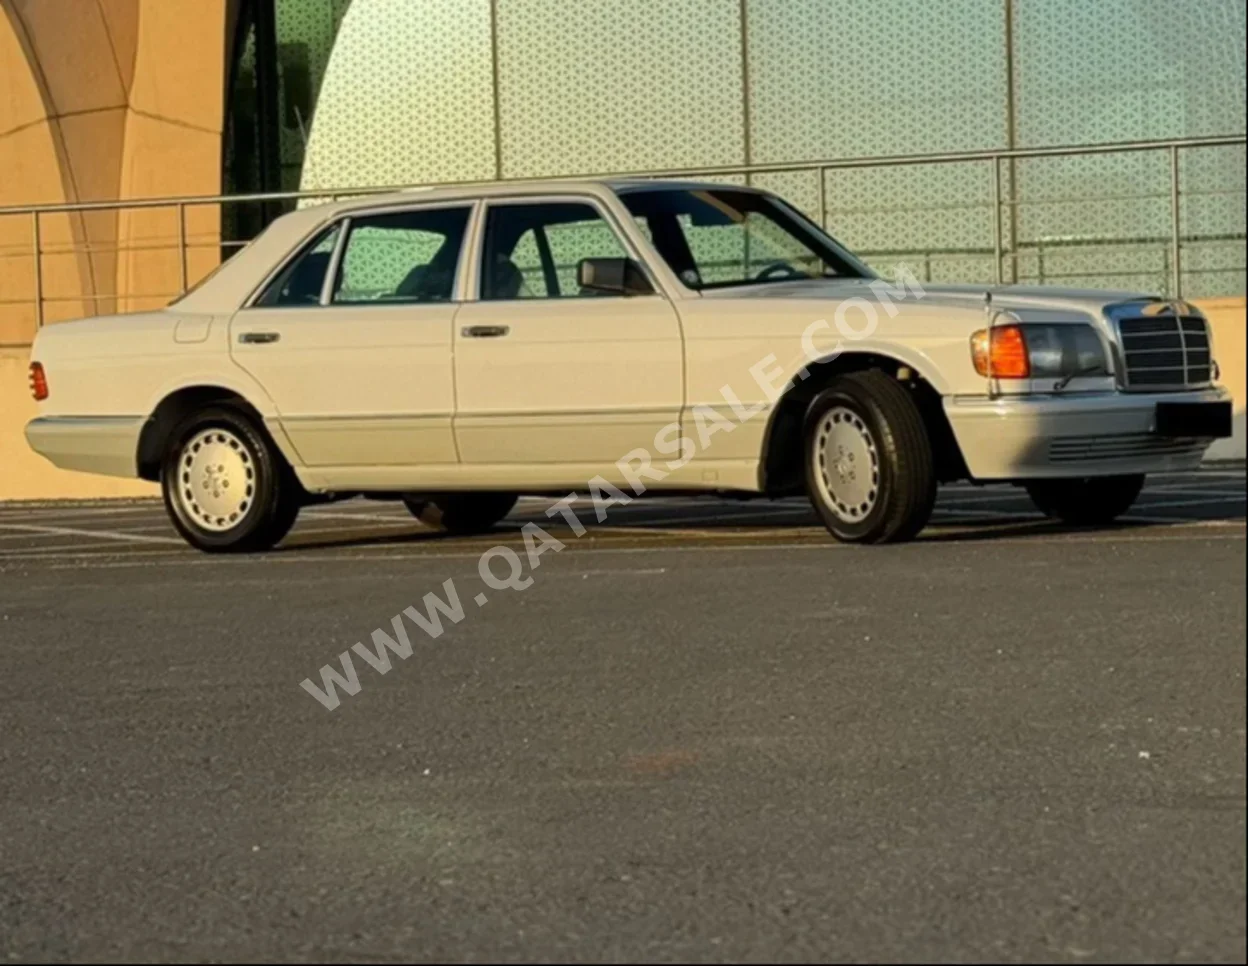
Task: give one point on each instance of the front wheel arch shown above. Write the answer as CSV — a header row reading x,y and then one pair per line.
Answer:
x,y
781,470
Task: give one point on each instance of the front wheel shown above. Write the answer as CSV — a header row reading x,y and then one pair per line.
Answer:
x,y
870,470
1086,502
461,513
226,489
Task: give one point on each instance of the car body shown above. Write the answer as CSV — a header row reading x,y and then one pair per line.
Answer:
x,y
440,342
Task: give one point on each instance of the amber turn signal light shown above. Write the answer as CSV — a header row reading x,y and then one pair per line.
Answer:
x,y
38,382
1007,358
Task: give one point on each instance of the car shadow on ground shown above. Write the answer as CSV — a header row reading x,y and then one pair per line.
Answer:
x,y
1025,525
353,537
699,523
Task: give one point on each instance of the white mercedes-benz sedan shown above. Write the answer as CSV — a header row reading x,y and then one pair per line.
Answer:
x,y
456,348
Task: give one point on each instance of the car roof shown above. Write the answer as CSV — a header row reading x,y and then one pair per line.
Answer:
x,y
493,189
230,287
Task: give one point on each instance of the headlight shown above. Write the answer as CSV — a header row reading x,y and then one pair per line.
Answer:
x,y
1034,351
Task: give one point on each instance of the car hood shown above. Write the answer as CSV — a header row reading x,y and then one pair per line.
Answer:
x,y
1021,298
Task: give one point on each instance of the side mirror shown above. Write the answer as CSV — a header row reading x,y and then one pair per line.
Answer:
x,y
612,276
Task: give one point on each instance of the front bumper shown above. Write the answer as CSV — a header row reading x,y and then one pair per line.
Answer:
x,y
108,445
1078,434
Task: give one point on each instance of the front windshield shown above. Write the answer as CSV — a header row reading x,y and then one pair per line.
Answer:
x,y
717,238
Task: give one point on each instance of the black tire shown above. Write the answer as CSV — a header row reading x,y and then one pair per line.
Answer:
x,y
1088,501
461,513
273,494
902,470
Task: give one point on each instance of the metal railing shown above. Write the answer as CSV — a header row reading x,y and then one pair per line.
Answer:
x,y
1005,249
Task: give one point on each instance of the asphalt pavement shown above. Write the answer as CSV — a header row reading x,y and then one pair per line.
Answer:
x,y
703,732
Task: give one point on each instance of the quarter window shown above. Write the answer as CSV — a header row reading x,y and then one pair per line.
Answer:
x,y
301,281
533,251
404,257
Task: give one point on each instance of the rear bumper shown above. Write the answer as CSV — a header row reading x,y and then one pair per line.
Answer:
x,y
107,445
1084,434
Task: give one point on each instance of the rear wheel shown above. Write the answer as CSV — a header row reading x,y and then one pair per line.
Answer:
x,y
1089,501
225,487
869,466
461,513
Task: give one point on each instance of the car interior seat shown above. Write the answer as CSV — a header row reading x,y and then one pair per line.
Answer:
x,y
506,280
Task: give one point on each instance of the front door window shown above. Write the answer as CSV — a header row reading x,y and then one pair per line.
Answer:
x,y
533,251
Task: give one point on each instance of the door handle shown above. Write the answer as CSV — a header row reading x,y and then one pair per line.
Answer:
x,y
259,338
484,331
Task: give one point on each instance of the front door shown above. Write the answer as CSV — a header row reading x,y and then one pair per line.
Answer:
x,y
547,373
353,340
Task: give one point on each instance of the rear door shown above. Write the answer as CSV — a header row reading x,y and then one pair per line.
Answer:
x,y
352,340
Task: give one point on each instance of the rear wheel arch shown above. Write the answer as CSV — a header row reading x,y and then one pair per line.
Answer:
x,y
175,407
781,466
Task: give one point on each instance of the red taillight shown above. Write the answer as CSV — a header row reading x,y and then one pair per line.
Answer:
x,y
38,382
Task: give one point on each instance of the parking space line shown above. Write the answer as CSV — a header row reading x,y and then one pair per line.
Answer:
x,y
740,533
373,529
1200,475
1179,503
76,510
384,518
990,514
1197,491
182,560
17,536
694,519
89,551
983,497
1131,517
90,554
610,572
101,534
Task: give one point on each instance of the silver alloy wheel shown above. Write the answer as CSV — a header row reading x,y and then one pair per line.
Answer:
x,y
216,480
847,464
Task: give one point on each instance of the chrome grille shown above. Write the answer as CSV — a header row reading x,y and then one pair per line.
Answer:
x,y
1164,352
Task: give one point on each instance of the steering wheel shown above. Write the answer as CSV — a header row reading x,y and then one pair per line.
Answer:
x,y
778,269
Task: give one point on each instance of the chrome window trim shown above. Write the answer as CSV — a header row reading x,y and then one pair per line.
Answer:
x,y
472,244
335,261
470,204
513,201
342,221
296,251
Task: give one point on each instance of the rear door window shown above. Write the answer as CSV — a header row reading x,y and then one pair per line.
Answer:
x,y
402,257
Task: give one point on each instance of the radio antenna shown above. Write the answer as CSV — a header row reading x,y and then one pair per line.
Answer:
x,y
991,315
